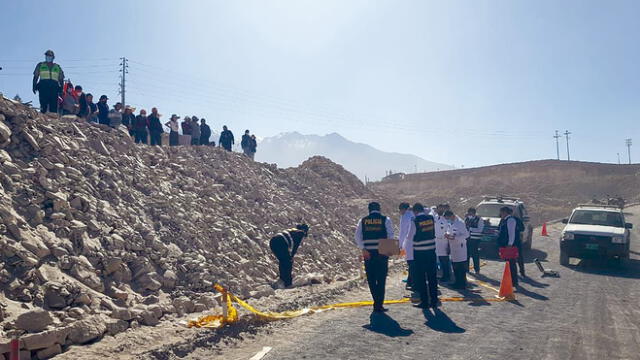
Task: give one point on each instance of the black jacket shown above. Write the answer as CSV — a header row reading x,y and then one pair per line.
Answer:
x,y
154,124
205,132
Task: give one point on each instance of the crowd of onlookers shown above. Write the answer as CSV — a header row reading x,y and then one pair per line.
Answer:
x,y
147,128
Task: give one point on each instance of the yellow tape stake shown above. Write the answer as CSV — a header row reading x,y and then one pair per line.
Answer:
x,y
217,321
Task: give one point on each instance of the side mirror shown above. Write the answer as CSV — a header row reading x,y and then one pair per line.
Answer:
x,y
628,226
565,221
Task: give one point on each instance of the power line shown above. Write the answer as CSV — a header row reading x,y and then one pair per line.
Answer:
x,y
557,137
125,70
566,134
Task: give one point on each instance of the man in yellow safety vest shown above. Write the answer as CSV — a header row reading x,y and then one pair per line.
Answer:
x,y
50,82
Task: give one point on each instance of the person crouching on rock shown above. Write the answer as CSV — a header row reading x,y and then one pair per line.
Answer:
x,y
284,246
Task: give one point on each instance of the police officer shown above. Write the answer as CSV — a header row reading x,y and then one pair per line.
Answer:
x,y
509,235
371,229
423,240
284,246
50,85
442,244
475,225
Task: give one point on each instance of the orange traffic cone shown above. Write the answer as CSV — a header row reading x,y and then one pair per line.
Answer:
x,y
544,230
506,286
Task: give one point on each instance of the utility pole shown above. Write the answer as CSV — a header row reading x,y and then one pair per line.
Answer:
x,y
618,158
557,137
125,70
628,143
566,134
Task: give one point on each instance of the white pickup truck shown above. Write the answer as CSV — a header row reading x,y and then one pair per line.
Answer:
x,y
595,231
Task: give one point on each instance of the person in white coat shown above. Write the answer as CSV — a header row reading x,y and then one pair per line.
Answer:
x,y
406,216
457,235
442,244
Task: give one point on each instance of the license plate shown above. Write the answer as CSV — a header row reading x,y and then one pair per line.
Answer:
x,y
591,246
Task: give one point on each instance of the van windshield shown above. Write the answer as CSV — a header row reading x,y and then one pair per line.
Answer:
x,y
595,217
490,210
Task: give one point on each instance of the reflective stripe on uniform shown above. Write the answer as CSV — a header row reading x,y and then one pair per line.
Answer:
x,y
425,245
371,244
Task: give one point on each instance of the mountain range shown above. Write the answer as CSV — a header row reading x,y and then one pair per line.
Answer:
x,y
292,148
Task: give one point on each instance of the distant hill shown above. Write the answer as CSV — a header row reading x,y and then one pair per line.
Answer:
x,y
550,188
291,149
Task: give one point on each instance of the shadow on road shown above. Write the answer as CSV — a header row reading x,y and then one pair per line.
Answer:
x,y
528,280
439,321
630,269
385,325
534,254
531,294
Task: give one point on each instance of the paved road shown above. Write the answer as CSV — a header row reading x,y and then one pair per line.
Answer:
x,y
590,312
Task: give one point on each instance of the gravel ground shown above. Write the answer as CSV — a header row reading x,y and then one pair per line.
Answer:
x,y
587,313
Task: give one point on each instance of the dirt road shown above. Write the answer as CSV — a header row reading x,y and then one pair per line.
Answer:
x,y
590,312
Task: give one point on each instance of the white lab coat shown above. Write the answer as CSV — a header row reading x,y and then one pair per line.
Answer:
x,y
405,243
458,245
442,244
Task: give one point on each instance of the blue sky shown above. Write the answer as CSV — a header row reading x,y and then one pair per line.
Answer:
x,y
459,82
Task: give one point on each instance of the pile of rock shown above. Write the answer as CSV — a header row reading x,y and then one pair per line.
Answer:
x,y
98,234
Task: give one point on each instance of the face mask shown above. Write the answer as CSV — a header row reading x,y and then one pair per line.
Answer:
x,y
79,93
49,58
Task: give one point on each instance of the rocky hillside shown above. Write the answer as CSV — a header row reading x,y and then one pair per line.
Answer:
x,y
550,188
98,234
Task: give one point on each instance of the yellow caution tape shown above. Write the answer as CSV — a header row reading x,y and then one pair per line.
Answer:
x,y
217,321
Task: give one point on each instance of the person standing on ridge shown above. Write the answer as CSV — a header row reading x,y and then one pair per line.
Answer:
x,y
155,128
371,229
226,138
129,119
103,110
245,143
284,246
205,132
195,131
186,131
174,128
48,79
253,147
142,127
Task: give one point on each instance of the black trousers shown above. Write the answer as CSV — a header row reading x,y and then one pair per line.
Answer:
x,y
409,276
376,268
285,261
514,271
425,275
460,273
141,136
48,96
473,253
156,138
174,138
521,258
445,264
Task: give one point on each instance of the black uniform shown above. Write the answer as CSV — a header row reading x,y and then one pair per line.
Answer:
x,y
503,240
377,266
473,242
284,246
425,260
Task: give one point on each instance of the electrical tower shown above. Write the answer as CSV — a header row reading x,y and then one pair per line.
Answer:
x,y
628,143
566,135
124,68
557,137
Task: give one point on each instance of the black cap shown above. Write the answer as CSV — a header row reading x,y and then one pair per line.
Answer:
x,y
104,97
